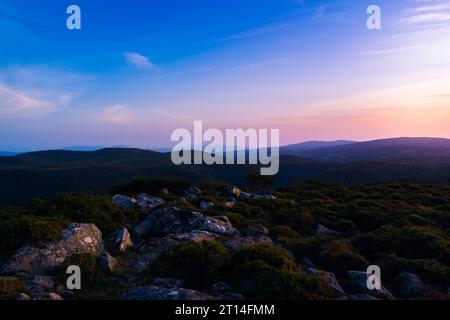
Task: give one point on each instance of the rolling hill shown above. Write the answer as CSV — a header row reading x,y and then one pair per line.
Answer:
x,y
45,173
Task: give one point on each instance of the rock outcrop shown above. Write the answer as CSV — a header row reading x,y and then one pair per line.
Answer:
x,y
77,238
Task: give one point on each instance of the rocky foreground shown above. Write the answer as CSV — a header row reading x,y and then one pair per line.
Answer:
x,y
126,255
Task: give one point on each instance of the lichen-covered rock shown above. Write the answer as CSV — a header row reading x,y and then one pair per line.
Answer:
x,y
164,221
77,238
219,225
146,202
159,293
123,202
195,236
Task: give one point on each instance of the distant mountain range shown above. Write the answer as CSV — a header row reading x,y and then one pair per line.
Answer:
x,y
422,150
44,173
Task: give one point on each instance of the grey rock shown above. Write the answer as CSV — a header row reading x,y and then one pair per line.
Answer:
x,y
158,293
236,243
357,281
219,225
123,202
264,196
145,202
410,285
165,191
193,191
230,204
149,252
195,236
23,296
164,221
206,204
324,231
329,278
257,231
77,238
307,263
245,196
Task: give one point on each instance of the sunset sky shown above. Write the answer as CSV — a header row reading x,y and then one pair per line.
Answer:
x,y
139,69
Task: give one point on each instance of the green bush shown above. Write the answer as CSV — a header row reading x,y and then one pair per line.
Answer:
x,y
28,230
431,270
285,236
10,287
199,264
331,254
82,208
267,272
408,242
296,218
270,255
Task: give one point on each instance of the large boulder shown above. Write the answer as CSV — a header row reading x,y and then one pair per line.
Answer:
x,y
410,285
195,236
357,281
146,202
167,220
123,202
77,238
158,293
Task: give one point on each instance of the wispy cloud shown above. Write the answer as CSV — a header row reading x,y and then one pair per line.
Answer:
x,y
138,60
116,114
18,103
427,13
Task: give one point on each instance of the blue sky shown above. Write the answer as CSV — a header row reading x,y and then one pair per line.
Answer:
x,y
139,69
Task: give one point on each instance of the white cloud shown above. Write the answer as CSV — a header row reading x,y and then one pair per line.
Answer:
x,y
35,91
19,103
116,114
137,60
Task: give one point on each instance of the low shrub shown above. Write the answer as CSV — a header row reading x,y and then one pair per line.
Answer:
x,y
10,287
199,264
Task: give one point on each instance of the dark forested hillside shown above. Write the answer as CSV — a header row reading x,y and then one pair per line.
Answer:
x,y
42,174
